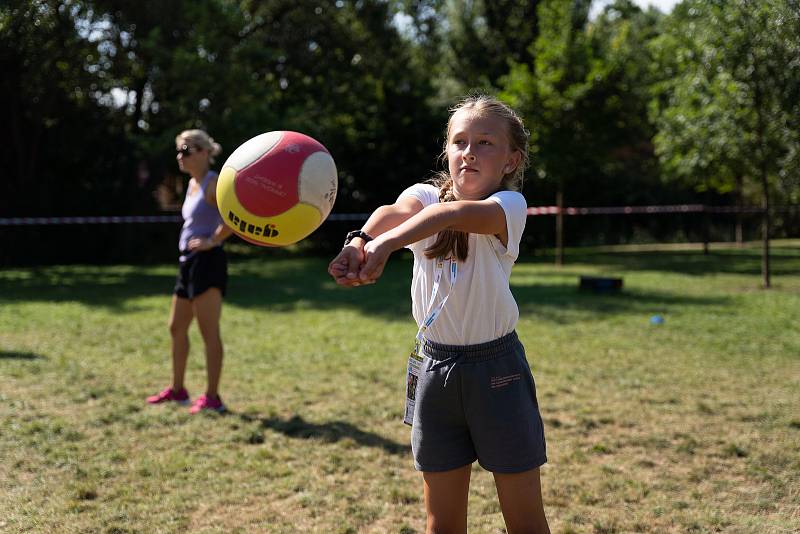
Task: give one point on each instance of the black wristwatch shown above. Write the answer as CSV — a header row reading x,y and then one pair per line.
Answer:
x,y
354,234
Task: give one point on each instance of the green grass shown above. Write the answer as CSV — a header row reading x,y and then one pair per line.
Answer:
x,y
688,426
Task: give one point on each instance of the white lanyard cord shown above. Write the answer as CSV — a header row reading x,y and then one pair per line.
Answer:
x,y
415,359
432,314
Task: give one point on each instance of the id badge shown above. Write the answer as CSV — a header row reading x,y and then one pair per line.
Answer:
x,y
412,379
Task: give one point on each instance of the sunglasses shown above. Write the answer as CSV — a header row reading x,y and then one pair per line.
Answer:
x,y
187,150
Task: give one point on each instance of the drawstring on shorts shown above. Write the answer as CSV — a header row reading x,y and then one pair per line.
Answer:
x,y
441,363
440,355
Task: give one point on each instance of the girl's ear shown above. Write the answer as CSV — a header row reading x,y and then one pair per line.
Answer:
x,y
513,162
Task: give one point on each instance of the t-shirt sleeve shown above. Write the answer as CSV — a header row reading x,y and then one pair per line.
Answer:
x,y
516,209
427,194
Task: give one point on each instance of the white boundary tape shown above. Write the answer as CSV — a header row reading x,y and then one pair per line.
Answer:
x,y
532,211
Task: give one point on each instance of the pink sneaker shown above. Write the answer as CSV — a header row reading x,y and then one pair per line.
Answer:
x,y
169,394
204,402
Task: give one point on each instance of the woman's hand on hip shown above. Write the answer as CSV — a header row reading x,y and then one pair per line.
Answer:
x,y
202,243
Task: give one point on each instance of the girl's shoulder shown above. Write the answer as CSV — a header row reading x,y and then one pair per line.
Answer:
x,y
508,195
511,200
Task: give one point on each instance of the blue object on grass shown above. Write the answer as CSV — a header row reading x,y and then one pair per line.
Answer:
x,y
656,319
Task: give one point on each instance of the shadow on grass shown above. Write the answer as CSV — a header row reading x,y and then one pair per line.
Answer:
x,y
290,283
19,355
106,286
305,283
557,302
331,432
285,285
784,260
282,284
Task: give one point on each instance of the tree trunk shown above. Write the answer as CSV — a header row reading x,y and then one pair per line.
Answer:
x,y
706,227
765,229
739,205
138,110
762,156
560,227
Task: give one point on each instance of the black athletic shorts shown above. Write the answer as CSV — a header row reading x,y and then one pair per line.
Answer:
x,y
477,402
200,271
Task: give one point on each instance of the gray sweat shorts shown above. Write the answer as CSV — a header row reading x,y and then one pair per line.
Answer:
x,y
477,402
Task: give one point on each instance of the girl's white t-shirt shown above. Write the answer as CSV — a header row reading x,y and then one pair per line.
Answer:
x,y
481,307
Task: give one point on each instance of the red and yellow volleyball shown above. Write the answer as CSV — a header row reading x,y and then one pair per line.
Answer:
x,y
277,188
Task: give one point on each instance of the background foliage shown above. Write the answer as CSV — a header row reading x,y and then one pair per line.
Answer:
x,y
625,107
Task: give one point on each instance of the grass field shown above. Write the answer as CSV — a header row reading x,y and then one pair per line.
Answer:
x,y
688,426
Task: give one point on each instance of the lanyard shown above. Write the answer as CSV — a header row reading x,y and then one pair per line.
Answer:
x,y
415,359
434,311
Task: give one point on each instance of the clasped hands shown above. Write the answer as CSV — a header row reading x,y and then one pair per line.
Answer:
x,y
360,264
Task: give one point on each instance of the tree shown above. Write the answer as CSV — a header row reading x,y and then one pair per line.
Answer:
x,y
726,112
478,41
48,87
549,90
99,88
584,98
338,71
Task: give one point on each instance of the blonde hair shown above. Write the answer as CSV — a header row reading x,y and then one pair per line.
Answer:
x,y
200,139
452,242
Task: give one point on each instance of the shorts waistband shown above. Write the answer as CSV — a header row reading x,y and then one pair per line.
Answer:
x,y
479,352
197,251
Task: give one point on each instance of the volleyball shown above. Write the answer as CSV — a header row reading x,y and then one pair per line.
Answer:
x,y
277,188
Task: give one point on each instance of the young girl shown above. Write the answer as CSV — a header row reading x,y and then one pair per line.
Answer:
x,y
470,392
202,272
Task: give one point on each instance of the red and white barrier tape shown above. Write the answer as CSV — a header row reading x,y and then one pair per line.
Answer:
x,y
532,211
628,210
28,221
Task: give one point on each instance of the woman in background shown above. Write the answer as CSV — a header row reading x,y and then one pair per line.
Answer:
x,y
202,273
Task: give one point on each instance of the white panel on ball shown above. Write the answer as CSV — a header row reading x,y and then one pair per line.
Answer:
x,y
252,149
318,182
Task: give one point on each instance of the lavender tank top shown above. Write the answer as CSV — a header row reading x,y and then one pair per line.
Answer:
x,y
200,219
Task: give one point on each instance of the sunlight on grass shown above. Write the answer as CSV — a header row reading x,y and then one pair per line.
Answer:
x,y
689,425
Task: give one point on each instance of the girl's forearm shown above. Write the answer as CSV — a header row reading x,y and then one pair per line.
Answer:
x,y
384,219
474,217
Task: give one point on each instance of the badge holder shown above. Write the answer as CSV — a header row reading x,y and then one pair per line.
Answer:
x,y
414,367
